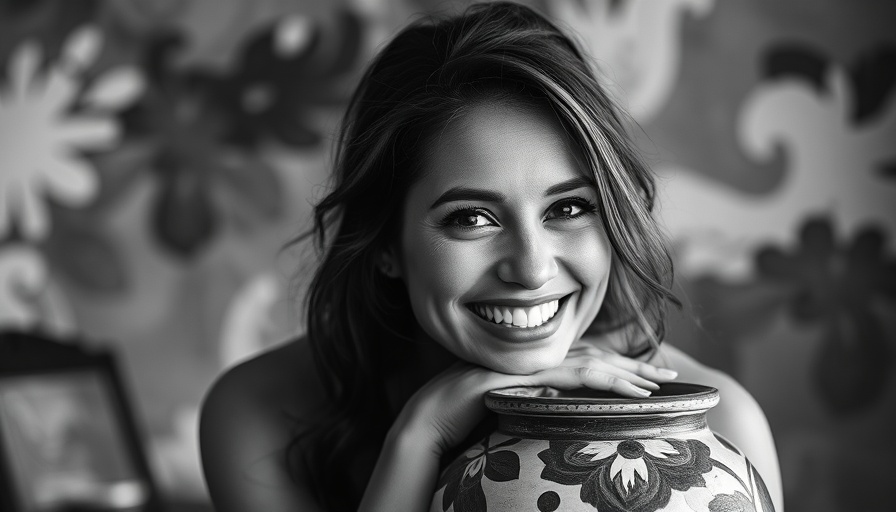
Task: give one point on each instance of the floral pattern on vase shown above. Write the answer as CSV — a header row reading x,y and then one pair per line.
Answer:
x,y
737,502
586,451
462,480
627,475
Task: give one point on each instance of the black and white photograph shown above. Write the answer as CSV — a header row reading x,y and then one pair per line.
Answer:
x,y
447,255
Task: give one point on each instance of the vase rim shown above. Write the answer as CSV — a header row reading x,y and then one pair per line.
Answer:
x,y
542,400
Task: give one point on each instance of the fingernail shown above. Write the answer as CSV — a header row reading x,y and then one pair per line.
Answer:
x,y
641,391
669,374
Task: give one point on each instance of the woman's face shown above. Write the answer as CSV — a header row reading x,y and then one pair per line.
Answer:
x,y
502,251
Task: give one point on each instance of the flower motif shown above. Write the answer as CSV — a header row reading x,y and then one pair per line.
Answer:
x,y
828,279
627,475
462,480
287,73
46,122
206,131
842,288
200,174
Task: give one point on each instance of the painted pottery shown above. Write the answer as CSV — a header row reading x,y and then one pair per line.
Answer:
x,y
586,450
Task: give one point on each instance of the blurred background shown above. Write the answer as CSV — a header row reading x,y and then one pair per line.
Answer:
x,y
156,156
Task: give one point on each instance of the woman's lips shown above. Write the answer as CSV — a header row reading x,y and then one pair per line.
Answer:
x,y
517,331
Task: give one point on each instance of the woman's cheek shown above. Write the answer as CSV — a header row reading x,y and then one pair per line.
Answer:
x,y
456,267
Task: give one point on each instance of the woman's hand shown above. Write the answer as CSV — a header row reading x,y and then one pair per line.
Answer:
x,y
444,411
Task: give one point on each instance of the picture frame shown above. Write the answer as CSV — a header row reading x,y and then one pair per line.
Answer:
x,y
68,436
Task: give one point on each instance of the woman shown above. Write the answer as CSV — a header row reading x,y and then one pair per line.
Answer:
x,y
489,226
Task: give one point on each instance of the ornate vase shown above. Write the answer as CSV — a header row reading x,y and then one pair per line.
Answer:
x,y
592,451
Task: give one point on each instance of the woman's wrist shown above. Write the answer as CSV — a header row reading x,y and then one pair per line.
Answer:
x,y
412,429
406,472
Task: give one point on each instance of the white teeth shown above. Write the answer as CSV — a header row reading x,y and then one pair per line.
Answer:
x,y
518,317
534,316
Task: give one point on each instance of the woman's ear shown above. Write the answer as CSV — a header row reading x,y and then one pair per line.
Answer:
x,y
388,263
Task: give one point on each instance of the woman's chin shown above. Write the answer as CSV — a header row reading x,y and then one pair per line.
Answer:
x,y
525,364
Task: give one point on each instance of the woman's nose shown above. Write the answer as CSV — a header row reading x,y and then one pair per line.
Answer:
x,y
530,261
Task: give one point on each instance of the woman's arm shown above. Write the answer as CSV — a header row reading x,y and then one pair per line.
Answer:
x,y
442,413
738,418
246,417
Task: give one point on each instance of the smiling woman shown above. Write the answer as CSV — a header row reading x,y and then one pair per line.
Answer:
x,y
504,221
489,226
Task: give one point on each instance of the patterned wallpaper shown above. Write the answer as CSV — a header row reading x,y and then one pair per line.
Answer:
x,y
155,156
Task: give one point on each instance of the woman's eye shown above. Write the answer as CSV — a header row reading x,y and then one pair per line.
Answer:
x,y
571,209
468,219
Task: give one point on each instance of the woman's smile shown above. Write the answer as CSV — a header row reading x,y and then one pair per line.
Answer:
x,y
502,250
517,316
521,324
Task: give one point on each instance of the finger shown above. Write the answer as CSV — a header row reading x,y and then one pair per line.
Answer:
x,y
611,369
646,370
563,377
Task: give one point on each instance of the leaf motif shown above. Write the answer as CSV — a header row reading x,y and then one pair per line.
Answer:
x,y
471,499
502,466
764,498
183,217
736,502
726,443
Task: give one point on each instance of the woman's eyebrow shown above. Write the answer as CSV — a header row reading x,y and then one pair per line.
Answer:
x,y
467,194
477,194
568,186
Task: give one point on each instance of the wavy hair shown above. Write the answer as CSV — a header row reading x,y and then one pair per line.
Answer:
x,y
431,72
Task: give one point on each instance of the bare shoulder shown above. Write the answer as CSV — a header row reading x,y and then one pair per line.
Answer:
x,y
735,399
283,378
738,416
249,418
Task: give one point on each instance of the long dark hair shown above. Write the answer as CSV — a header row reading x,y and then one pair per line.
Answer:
x,y
431,72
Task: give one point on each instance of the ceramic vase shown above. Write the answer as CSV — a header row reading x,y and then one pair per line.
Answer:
x,y
596,451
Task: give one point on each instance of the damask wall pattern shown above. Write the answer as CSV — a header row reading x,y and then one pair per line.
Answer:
x,y
157,157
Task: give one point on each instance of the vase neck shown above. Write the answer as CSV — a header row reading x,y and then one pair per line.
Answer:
x,y
601,427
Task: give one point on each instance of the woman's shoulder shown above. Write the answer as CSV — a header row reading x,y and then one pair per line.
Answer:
x,y
738,416
736,405
284,376
250,417
691,370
